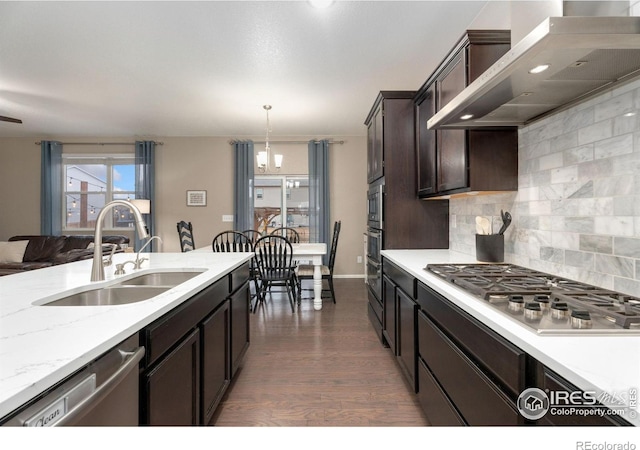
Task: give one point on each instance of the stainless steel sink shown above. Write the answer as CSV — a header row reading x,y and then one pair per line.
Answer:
x,y
116,295
164,279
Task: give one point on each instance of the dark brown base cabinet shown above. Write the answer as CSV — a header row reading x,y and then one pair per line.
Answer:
x,y
171,388
399,318
464,373
551,381
193,352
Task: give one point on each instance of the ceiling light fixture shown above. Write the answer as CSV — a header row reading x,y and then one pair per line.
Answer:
x,y
540,68
264,156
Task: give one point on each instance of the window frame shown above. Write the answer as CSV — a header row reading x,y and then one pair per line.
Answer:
x,y
108,160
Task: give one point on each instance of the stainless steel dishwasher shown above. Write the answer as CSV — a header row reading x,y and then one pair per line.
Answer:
x,y
104,393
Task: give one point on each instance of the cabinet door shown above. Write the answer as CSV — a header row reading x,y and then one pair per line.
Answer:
x,y
215,360
376,146
452,147
240,302
172,388
406,332
371,137
426,144
389,312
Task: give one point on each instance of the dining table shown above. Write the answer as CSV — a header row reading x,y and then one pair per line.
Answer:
x,y
304,253
312,252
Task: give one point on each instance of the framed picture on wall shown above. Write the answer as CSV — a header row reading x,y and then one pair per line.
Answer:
x,y
196,198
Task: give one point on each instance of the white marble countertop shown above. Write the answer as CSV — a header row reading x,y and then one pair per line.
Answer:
x,y
608,364
41,345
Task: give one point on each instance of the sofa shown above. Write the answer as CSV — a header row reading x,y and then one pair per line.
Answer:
x,y
29,252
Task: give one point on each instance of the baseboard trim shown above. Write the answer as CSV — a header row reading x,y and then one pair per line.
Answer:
x,y
349,276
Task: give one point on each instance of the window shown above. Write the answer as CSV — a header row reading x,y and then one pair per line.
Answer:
x,y
92,181
274,194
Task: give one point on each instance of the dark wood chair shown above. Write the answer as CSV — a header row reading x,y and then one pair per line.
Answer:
x,y
231,241
253,235
274,263
185,234
305,271
290,233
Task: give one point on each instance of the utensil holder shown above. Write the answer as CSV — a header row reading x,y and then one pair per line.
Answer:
x,y
490,247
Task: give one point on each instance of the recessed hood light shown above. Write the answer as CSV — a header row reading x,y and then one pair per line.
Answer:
x,y
466,116
539,68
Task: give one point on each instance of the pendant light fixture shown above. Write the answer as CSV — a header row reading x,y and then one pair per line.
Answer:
x,y
264,157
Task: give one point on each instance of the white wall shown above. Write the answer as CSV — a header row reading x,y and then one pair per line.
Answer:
x,y
191,163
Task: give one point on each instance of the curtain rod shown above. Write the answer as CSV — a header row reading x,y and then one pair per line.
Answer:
x,y
102,143
233,141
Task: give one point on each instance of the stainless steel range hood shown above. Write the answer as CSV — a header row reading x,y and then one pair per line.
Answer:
x,y
585,55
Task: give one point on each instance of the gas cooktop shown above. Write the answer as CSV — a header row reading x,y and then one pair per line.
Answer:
x,y
546,304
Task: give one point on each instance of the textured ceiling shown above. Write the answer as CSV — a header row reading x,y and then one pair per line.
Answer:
x,y
206,68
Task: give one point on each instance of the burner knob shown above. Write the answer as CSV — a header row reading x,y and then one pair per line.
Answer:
x,y
516,303
559,310
580,319
543,300
532,311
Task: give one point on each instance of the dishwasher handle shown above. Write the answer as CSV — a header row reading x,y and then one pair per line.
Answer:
x,y
130,362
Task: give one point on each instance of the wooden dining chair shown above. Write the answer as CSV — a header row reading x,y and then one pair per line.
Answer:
x,y
305,271
274,262
231,241
290,233
185,234
253,235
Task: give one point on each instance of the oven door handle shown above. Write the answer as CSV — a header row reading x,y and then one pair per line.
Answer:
x,y
373,263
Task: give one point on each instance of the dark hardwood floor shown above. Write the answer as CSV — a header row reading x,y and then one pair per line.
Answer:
x,y
318,368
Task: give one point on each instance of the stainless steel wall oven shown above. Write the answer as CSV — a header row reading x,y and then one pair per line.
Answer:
x,y
375,230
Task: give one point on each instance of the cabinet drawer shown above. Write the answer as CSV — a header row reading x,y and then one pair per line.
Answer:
x,y
434,401
164,333
502,361
375,322
375,305
238,277
554,382
401,278
479,401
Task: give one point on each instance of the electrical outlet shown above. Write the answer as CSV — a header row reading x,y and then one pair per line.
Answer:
x,y
359,259
453,221
227,217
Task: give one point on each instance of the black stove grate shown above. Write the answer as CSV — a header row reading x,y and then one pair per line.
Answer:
x,y
493,281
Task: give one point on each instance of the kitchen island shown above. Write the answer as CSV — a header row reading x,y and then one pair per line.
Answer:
x,y
41,345
606,364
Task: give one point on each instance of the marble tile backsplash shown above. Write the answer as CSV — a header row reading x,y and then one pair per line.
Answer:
x,y
577,209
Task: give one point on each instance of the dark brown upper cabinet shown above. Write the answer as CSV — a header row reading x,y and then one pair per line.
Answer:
x,y
408,221
375,146
451,162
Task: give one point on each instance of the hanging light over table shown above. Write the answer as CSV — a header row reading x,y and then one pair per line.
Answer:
x,y
263,158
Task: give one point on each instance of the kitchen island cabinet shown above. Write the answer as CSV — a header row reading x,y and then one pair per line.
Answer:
x,y
474,362
198,338
43,345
